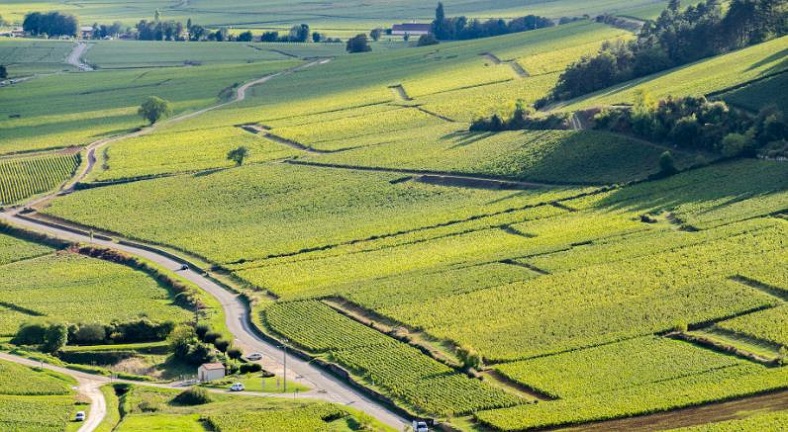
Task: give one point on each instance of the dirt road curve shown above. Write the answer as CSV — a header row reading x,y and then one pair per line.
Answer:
x,y
89,386
75,58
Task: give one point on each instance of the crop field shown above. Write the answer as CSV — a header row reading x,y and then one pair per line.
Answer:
x,y
769,325
24,177
715,385
336,18
700,78
33,57
84,107
234,413
402,371
63,287
586,157
33,400
560,257
137,54
761,93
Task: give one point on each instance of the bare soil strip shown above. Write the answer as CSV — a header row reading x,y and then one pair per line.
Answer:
x,y
710,413
516,67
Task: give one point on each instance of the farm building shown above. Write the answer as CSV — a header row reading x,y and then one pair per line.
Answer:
x,y
210,372
412,29
86,32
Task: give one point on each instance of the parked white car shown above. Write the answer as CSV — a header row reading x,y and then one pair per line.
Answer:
x,y
80,416
237,387
254,357
420,426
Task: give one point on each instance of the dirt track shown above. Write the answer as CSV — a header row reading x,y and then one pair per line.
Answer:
x,y
75,57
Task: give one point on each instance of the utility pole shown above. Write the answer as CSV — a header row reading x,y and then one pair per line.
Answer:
x,y
284,347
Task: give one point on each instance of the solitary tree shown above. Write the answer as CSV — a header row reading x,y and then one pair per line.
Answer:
x,y
667,166
238,155
154,109
3,72
358,44
376,33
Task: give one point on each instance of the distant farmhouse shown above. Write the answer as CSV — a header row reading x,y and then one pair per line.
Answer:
x,y
15,32
86,32
412,29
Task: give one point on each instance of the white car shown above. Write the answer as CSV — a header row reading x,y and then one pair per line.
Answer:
x,y
254,357
80,416
420,426
237,387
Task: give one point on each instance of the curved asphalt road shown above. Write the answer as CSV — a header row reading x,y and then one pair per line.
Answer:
x,y
326,387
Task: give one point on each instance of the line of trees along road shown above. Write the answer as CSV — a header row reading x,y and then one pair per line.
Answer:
x,y
676,38
462,28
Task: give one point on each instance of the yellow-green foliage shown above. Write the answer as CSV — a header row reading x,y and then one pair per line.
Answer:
x,y
400,370
24,177
72,288
33,400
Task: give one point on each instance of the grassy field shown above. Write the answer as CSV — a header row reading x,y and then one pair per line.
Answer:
x,y
27,57
152,409
24,177
71,288
81,108
34,400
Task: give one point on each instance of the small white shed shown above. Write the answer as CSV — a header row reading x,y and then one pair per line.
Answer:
x,y
210,371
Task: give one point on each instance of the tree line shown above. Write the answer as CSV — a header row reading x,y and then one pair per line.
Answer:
x,y
52,24
695,123
676,38
462,28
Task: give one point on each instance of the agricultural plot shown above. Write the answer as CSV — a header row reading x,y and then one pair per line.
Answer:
x,y
769,325
24,177
234,414
184,151
28,57
703,77
235,209
84,107
140,54
398,369
609,368
760,93
712,386
64,287
337,18
13,249
561,157
33,400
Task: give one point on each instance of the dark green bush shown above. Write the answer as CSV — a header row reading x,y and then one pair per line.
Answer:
x,y
193,396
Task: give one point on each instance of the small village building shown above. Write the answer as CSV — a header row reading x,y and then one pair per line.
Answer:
x,y
210,372
411,29
86,32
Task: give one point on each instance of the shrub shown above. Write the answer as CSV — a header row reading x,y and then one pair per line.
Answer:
x,y
211,337
427,40
222,345
90,334
667,166
234,353
201,330
250,368
193,396
30,334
